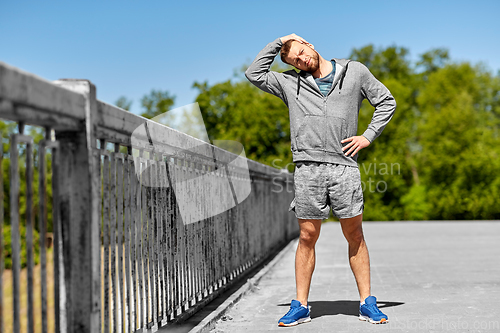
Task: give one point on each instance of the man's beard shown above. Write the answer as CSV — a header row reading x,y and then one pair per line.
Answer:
x,y
314,63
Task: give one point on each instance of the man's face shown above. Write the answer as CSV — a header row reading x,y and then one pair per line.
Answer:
x,y
303,57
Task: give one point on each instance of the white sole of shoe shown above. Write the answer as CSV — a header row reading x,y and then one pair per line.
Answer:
x,y
368,319
300,321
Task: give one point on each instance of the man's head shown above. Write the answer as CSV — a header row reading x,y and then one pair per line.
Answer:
x,y
301,56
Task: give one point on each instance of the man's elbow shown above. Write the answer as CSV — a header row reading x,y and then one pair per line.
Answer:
x,y
391,104
247,73
250,75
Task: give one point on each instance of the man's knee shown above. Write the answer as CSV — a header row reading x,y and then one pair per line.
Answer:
x,y
354,236
352,229
308,237
309,232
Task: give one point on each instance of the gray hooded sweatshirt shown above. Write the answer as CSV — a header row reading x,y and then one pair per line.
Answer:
x,y
318,123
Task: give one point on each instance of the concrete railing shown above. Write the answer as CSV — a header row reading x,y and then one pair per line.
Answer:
x,y
145,233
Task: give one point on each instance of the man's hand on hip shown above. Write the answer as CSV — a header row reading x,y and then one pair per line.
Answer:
x,y
357,143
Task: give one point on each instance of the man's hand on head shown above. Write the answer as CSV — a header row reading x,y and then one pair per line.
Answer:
x,y
356,144
299,39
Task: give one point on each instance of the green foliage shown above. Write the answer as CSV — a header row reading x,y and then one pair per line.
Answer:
x,y
156,103
460,153
9,128
444,135
433,60
7,251
416,205
390,62
37,134
124,103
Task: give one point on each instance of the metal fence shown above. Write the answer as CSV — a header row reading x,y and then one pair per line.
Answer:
x,y
125,259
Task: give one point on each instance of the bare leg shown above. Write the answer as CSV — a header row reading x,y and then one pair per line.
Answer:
x,y
358,253
305,257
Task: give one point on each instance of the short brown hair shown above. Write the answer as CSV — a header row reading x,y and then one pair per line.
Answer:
x,y
285,49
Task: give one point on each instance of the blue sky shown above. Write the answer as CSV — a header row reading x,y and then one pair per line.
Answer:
x,y
130,47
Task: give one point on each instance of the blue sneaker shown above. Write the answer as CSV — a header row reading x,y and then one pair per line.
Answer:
x,y
370,312
296,315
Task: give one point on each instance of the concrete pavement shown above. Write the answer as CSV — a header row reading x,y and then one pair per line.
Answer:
x,y
427,277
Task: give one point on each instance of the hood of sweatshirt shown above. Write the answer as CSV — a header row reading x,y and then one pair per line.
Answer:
x,y
339,76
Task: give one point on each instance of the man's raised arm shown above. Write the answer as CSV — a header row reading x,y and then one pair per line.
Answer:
x,y
259,73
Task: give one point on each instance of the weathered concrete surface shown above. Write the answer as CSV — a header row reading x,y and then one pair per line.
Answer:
x,y
427,276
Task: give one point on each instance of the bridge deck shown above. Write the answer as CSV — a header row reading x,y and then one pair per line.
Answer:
x,y
427,276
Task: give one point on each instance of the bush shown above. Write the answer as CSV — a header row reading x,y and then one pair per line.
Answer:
x,y
7,251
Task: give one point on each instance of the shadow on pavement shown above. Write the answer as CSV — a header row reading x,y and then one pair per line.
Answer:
x,y
332,308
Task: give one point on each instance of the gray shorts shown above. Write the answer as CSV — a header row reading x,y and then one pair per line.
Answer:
x,y
319,186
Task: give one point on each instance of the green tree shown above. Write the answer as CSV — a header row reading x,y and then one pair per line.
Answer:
x,y
124,103
8,129
391,62
433,60
156,103
460,153
6,230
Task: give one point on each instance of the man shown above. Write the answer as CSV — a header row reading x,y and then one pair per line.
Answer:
x,y
323,101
